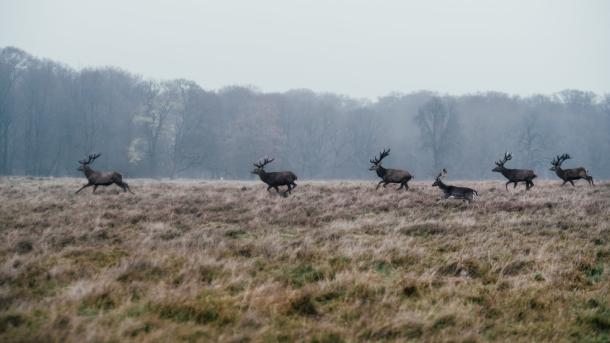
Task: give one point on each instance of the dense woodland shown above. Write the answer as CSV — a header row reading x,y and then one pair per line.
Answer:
x,y
52,115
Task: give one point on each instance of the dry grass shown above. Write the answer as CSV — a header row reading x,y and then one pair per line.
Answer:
x,y
336,261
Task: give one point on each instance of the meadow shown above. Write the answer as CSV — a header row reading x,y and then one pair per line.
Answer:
x,y
333,262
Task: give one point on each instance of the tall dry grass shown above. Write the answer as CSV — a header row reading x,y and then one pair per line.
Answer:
x,y
335,261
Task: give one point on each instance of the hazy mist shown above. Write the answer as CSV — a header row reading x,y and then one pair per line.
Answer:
x,y
203,89
357,48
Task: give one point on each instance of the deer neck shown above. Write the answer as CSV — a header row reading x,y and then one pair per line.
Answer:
x,y
381,171
505,171
264,176
560,172
88,172
441,185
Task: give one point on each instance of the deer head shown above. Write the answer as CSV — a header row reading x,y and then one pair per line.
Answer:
x,y
260,165
558,161
377,160
84,164
437,180
500,164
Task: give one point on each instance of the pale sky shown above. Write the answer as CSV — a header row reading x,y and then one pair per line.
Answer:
x,y
357,48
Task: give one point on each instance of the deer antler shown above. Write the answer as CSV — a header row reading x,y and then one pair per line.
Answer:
x,y
382,155
441,174
90,159
560,159
261,164
507,157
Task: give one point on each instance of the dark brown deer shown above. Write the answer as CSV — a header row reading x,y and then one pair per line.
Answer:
x,y
274,179
464,193
96,178
388,175
515,175
569,175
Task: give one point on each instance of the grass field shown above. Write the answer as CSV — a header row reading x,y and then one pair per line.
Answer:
x,y
333,262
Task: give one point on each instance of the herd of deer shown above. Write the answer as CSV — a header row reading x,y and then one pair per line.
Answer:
x,y
387,175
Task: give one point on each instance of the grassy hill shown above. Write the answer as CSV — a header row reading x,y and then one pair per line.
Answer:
x,y
333,262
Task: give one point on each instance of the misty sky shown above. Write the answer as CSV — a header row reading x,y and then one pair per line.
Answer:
x,y
357,48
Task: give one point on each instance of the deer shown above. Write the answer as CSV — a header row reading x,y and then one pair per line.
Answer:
x,y
569,175
464,193
97,178
514,175
274,179
388,175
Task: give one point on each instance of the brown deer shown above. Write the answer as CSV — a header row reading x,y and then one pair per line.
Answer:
x,y
514,175
569,175
389,175
96,178
275,179
464,193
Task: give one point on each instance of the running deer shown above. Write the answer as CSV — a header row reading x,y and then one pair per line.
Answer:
x,y
514,175
464,193
274,179
97,178
388,175
569,175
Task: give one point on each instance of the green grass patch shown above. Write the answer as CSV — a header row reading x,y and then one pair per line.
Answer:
x,y
95,259
95,303
301,275
208,308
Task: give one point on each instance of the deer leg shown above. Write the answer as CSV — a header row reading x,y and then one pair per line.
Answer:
x,y
83,187
94,188
385,184
516,183
400,187
268,188
289,188
506,185
276,189
564,183
294,185
124,186
379,184
590,181
406,186
127,186
572,182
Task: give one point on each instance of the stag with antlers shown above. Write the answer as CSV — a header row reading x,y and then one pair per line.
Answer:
x,y
274,179
388,175
464,193
570,175
97,178
514,175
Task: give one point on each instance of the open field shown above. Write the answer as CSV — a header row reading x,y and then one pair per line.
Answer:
x,y
336,261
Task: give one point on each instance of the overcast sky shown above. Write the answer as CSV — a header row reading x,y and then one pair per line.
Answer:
x,y
357,48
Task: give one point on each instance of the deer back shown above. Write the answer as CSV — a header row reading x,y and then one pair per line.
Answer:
x,y
518,174
395,175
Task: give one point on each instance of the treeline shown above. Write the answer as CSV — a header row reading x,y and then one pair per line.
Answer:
x,y
51,116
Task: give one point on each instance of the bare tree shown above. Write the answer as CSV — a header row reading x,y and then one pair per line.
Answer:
x,y
12,63
438,126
